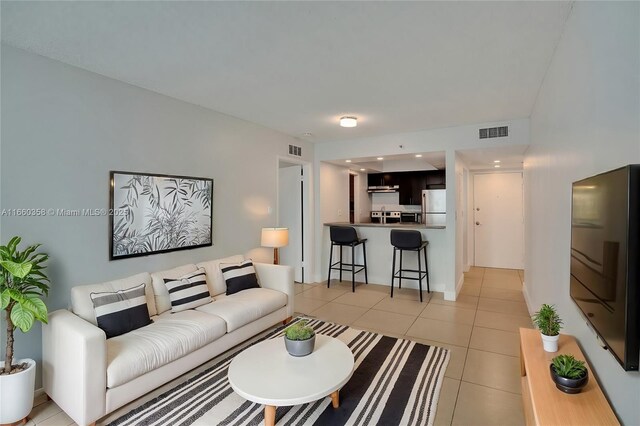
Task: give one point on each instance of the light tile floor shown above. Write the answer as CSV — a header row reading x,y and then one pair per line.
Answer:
x,y
482,381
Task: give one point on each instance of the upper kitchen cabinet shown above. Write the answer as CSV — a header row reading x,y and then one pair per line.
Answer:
x,y
437,179
411,186
383,179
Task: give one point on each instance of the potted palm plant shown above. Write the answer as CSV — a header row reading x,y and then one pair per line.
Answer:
x,y
569,374
22,285
299,339
549,323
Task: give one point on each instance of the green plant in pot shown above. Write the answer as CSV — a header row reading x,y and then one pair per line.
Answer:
x,y
569,374
22,286
549,323
299,338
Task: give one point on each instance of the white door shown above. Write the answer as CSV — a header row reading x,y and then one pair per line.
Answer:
x,y
499,220
290,216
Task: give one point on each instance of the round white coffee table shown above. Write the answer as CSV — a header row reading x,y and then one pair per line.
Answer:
x,y
265,373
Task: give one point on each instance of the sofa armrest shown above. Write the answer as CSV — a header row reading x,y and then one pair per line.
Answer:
x,y
74,355
277,277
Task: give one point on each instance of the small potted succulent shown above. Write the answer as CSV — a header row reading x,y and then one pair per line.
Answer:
x,y
549,324
299,339
569,374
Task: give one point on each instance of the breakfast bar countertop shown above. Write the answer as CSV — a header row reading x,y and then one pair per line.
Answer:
x,y
387,225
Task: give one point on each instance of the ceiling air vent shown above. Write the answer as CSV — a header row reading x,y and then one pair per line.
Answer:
x,y
494,132
296,151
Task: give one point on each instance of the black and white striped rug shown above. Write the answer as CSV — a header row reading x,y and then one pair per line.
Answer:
x,y
395,382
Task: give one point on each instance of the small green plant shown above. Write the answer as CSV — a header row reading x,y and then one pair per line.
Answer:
x,y
568,367
547,320
299,331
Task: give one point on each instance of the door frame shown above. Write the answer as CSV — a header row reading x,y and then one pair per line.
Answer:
x,y
306,209
471,231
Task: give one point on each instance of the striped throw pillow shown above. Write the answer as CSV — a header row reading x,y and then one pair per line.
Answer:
x,y
240,276
189,291
121,311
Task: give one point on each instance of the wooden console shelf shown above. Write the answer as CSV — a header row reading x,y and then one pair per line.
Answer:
x,y
543,403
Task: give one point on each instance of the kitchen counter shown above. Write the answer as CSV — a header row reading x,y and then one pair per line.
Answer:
x,y
380,253
387,225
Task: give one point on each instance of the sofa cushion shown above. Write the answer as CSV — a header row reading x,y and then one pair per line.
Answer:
x,y
163,302
82,305
121,311
239,276
249,305
214,275
170,337
189,291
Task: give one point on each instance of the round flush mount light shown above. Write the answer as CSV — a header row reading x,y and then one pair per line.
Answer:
x,y
347,161
418,155
348,121
496,161
497,166
380,158
362,170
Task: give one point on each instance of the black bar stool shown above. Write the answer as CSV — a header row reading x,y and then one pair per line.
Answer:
x,y
347,236
405,240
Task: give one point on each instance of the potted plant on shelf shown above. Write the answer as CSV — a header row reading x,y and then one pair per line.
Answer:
x,y
549,324
569,374
299,339
22,285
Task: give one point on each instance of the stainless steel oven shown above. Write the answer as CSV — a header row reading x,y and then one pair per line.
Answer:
x,y
392,217
376,217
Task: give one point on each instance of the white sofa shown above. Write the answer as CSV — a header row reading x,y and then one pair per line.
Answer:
x,y
90,376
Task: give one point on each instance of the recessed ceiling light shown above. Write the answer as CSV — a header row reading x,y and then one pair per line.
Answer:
x,y
347,161
362,170
348,121
418,155
496,161
380,158
497,166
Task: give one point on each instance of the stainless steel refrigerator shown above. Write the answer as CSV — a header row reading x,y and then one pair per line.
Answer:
x,y
434,207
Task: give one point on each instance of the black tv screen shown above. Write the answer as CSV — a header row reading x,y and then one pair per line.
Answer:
x,y
605,258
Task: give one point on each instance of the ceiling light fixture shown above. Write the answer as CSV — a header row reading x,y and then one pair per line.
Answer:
x,y
380,158
497,166
418,155
496,161
362,170
348,121
347,161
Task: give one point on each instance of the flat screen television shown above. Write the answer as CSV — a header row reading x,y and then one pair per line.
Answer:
x,y
605,258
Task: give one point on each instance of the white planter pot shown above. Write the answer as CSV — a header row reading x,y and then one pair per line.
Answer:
x,y
550,343
17,393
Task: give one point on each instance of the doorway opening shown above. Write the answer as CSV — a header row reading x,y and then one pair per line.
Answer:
x,y
294,214
352,198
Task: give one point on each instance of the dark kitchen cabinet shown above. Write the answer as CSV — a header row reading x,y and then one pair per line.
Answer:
x,y
436,179
411,186
383,179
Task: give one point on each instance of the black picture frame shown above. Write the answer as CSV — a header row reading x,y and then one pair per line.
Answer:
x,y
152,213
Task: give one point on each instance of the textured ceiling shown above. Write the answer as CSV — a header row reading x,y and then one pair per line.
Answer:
x,y
298,66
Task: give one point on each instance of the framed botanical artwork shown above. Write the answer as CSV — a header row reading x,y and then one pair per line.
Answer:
x,y
153,213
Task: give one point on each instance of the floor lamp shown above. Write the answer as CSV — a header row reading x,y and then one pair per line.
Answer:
x,y
276,238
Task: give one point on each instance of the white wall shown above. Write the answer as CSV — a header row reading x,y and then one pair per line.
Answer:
x,y
334,193
586,120
64,128
460,219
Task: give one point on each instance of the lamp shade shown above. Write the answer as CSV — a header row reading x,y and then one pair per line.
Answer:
x,y
274,237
